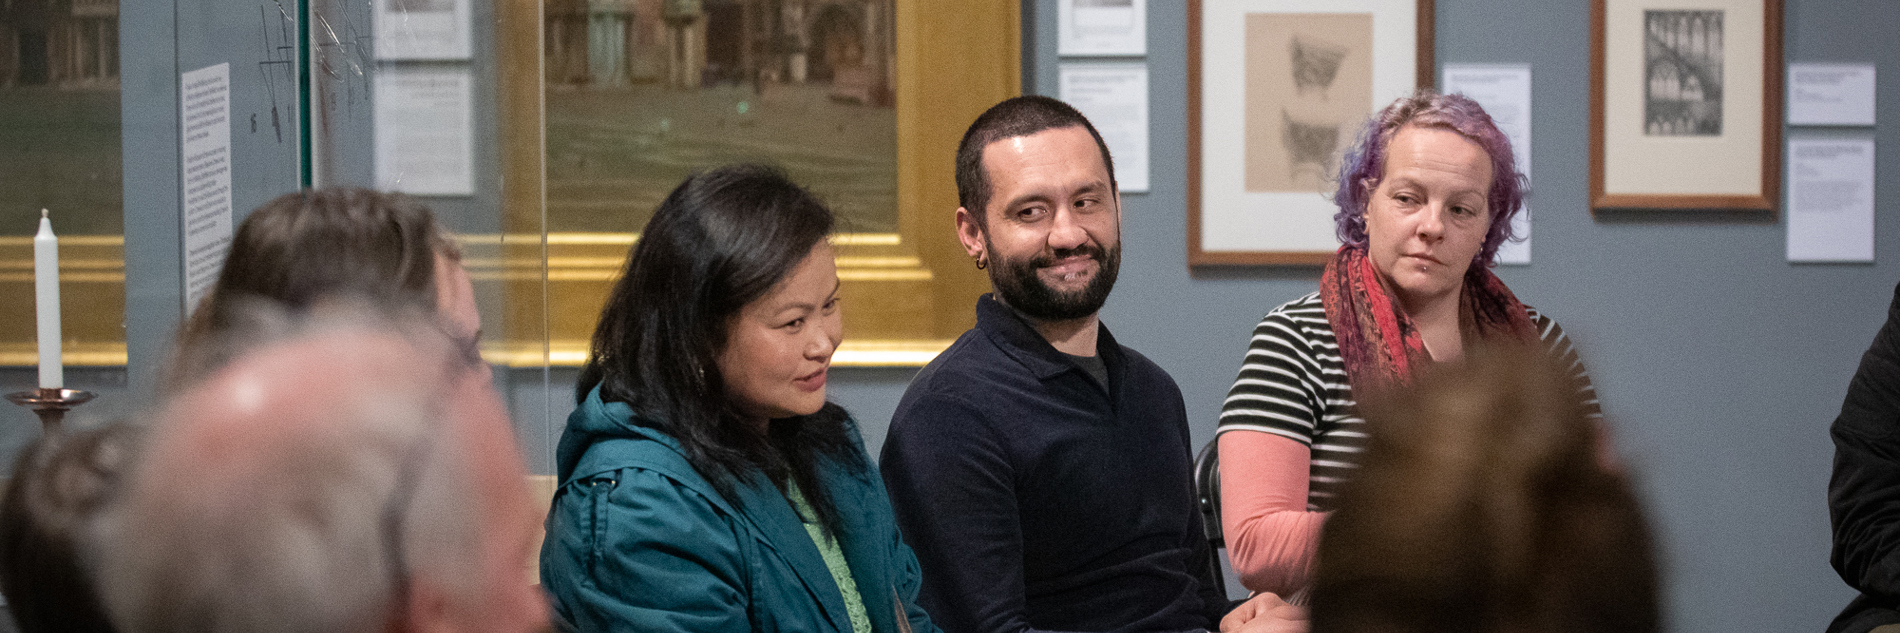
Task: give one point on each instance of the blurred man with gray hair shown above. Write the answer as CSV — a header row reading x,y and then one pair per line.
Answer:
x,y
356,477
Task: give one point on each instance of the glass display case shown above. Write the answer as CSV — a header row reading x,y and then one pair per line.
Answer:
x,y
541,132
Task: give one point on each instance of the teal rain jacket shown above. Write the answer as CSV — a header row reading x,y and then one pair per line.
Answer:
x,y
638,541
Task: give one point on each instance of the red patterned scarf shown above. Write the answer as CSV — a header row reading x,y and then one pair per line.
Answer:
x,y
1377,338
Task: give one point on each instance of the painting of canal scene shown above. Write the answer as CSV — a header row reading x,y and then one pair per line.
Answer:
x,y
642,93
60,151
59,116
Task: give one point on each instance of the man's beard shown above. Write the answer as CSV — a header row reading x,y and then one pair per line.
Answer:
x,y
1018,285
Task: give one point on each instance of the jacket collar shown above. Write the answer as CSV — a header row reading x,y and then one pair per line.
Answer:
x,y
619,440
1012,333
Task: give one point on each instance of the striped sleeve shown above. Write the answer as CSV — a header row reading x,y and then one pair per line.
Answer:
x,y
1566,357
1281,388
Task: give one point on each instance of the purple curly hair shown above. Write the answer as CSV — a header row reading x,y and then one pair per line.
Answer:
x,y
1364,164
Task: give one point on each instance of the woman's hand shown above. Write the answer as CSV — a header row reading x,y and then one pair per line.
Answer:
x,y
1265,613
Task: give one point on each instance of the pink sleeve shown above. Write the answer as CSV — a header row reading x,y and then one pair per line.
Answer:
x,y
1271,538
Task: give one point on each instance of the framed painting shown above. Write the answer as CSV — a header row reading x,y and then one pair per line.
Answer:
x,y
863,101
1685,105
1277,91
60,126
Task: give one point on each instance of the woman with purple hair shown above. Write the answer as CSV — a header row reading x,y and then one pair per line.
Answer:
x,y
1425,199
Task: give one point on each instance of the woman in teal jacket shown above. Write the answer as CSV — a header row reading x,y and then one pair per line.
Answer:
x,y
706,483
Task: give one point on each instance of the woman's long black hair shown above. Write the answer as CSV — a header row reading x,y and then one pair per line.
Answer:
x,y
723,239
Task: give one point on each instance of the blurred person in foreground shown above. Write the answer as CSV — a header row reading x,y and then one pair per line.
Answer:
x,y
306,247
1863,498
1486,502
59,483
358,475
1425,200
288,256
707,484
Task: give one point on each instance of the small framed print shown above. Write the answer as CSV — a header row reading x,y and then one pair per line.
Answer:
x,y
1277,91
1685,105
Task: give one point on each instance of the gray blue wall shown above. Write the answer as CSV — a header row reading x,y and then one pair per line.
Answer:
x,y
1720,364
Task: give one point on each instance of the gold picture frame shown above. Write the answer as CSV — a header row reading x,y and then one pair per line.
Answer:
x,y
92,301
907,293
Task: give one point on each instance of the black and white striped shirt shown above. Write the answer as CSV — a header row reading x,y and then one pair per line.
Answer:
x,y
1293,384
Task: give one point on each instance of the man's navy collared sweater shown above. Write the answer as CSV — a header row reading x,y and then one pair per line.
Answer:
x,y
1035,500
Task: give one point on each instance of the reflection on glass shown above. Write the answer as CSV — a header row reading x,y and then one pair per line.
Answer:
x,y
59,115
59,150
641,93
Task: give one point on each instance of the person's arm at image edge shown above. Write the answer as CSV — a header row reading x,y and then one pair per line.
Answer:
x,y
1864,494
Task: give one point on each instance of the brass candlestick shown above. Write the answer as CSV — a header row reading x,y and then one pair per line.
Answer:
x,y
50,404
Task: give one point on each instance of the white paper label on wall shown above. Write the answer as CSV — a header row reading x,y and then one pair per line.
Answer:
x,y
422,29
1831,94
425,132
1115,99
1831,200
204,128
1505,93
1102,27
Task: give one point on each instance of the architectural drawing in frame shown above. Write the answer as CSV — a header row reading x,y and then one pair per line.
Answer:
x,y
1682,74
1277,91
1685,105
1309,85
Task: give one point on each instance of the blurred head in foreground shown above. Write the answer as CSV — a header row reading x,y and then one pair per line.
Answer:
x,y
302,248
59,483
357,476
1484,504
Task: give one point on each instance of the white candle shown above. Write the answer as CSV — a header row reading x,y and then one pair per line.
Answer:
x,y
46,300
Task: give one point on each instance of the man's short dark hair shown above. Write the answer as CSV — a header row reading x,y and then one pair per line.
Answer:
x,y
1017,116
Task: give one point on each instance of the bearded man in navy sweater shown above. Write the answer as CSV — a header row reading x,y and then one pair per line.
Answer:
x,y
1040,470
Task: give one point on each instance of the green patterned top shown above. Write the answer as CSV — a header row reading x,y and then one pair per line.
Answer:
x,y
834,559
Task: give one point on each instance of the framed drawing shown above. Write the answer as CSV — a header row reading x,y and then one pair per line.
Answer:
x,y
1685,105
1277,90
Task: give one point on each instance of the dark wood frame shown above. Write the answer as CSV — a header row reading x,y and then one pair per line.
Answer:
x,y
1768,199
1426,76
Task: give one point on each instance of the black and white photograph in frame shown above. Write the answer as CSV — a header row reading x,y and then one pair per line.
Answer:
x,y
1682,86
1685,106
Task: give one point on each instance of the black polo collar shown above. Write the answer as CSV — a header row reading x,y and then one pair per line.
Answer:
x,y
1013,334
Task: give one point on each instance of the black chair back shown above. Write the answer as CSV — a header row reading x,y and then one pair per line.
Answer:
x,y
1207,499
